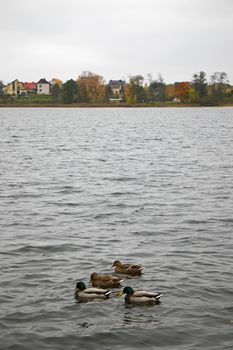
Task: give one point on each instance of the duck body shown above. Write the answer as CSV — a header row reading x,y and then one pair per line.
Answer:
x,y
130,269
107,281
140,296
83,294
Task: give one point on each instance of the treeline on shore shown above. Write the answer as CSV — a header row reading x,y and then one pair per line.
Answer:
x,y
91,89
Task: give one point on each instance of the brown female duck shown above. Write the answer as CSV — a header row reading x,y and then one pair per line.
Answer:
x,y
105,281
130,269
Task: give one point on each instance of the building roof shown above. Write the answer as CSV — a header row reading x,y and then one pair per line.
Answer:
x,y
30,86
116,84
43,81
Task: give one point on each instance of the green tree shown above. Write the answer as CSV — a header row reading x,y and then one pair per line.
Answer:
x,y
199,83
219,82
69,92
56,92
134,90
157,89
1,87
193,95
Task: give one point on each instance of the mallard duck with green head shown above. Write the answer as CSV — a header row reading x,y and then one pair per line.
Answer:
x,y
130,269
83,293
140,296
105,281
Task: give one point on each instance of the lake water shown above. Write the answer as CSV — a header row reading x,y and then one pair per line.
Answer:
x,y
80,188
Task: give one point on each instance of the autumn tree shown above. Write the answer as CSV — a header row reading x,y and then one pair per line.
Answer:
x,y
170,92
91,87
182,91
134,90
56,81
84,95
70,92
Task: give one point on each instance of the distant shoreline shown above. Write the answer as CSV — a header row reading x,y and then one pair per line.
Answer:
x,y
107,105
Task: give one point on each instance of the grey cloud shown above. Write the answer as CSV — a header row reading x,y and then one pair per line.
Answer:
x,y
115,38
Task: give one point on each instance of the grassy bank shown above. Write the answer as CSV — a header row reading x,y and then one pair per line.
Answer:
x,y
95,105
123,105
46,101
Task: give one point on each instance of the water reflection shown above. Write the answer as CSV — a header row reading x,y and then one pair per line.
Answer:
x,y
133,317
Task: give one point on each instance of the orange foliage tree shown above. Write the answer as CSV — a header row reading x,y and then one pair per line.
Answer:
x,y
182,91
56,81
170,91
91,88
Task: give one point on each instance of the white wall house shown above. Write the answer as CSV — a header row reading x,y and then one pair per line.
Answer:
x,y
43,87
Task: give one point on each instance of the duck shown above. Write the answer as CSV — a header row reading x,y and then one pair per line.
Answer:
x,y
130,269
140,296
107,281
83,293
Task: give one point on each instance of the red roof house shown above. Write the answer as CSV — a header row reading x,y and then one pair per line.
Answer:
x,y
30,87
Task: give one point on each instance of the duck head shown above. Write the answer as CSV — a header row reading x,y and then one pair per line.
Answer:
x,y
80,285
94,276
116,263
128,290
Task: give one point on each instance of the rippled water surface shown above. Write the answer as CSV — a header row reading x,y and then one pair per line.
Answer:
x,y
80,188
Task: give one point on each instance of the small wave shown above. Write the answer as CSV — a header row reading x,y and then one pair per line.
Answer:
x,y
69,191
116,194
195,222
23,195
103,215
120,179
45,248
227,220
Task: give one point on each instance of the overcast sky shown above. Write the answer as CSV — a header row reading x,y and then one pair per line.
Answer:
x,y
115,38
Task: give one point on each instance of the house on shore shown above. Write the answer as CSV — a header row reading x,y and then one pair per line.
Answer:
x,y
30,87
116,90
43,87
18,88
15,88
